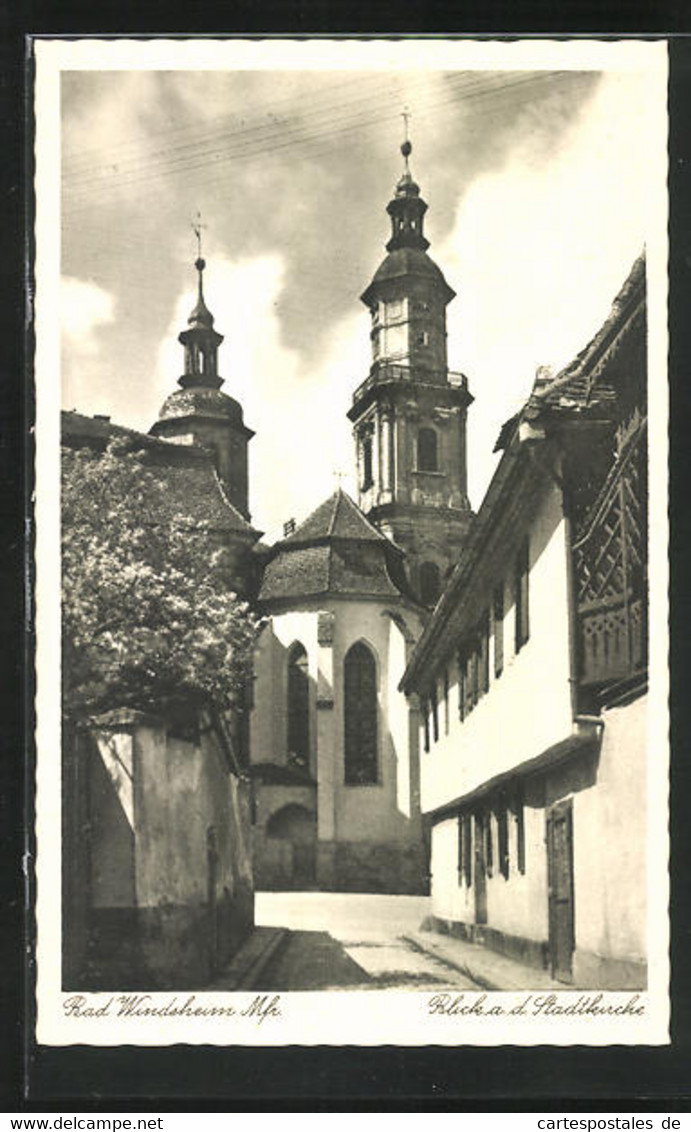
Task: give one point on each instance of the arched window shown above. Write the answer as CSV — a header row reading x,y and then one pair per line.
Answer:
x,y
298,708
360,709
427,450
367,476
430,583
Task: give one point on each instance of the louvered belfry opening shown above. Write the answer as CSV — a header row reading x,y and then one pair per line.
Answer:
x,y
610,559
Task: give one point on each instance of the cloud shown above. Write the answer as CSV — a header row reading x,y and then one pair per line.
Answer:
x,y
538,252
84,308
85,311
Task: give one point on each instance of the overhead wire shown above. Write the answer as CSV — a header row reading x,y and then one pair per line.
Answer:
x,y
298,138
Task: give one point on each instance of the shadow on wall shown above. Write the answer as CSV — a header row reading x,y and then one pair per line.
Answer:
x,y
157,876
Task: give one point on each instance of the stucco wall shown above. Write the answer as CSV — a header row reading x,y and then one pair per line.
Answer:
x,y
192,896
607,787
528,707
516,905
610,845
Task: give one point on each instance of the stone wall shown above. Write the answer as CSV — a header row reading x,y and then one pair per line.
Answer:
x,y
372,866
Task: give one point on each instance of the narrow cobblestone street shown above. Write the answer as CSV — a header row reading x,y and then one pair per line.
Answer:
x,y
333,941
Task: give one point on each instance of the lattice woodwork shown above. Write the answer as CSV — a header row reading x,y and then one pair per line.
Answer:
x,y
610,559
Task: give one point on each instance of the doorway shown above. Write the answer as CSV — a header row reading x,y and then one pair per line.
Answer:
x,y
296,829
560,888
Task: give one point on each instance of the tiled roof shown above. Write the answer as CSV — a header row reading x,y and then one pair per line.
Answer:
x,y
337,517
302,571
335,551
192,487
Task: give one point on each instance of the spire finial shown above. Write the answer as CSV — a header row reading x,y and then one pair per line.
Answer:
x,y
197,227
407,147
199,263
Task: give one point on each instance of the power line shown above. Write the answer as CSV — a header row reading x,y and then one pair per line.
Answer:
x,y
198,162
160,160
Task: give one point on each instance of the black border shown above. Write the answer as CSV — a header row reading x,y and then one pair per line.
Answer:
x,y
244,1079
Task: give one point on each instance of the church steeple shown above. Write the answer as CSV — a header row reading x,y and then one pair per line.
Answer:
x,y
409,414
201,342
199,413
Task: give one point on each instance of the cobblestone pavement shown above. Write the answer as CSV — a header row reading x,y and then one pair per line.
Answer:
x,y
338,941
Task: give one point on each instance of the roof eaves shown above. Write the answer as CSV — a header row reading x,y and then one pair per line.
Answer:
x,y
479,532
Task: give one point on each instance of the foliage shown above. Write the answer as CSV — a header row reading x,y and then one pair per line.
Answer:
x,y
149,615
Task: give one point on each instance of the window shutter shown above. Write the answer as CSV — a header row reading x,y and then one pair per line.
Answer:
x,y
498,610
520,830
468,849
484,655
521,596
503,840
462,687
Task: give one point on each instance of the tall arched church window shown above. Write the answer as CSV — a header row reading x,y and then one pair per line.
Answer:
x,y
427,450
430,583
360,710
298,708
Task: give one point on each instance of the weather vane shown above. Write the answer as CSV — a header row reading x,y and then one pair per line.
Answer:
x,y
197,227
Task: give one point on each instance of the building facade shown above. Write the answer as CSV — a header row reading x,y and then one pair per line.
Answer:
x,y
333,741
532,678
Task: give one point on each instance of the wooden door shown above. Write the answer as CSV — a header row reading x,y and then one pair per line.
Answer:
x,y
480,877
560,888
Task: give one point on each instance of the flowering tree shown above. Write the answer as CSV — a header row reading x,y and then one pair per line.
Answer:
x,y
149,615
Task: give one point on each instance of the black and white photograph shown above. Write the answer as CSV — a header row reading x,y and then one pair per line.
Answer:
x,y
351,542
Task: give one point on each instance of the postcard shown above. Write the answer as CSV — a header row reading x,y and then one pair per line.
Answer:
x,y
351,481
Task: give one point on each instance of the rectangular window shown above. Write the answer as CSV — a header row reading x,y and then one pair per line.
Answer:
x,y
461,847
446,701
503,841
521,596
498,613
425,723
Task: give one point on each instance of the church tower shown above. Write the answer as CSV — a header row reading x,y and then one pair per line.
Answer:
x,y
409,415
199,413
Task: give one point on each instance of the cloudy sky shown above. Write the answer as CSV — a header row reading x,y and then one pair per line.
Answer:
x,y
539,186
